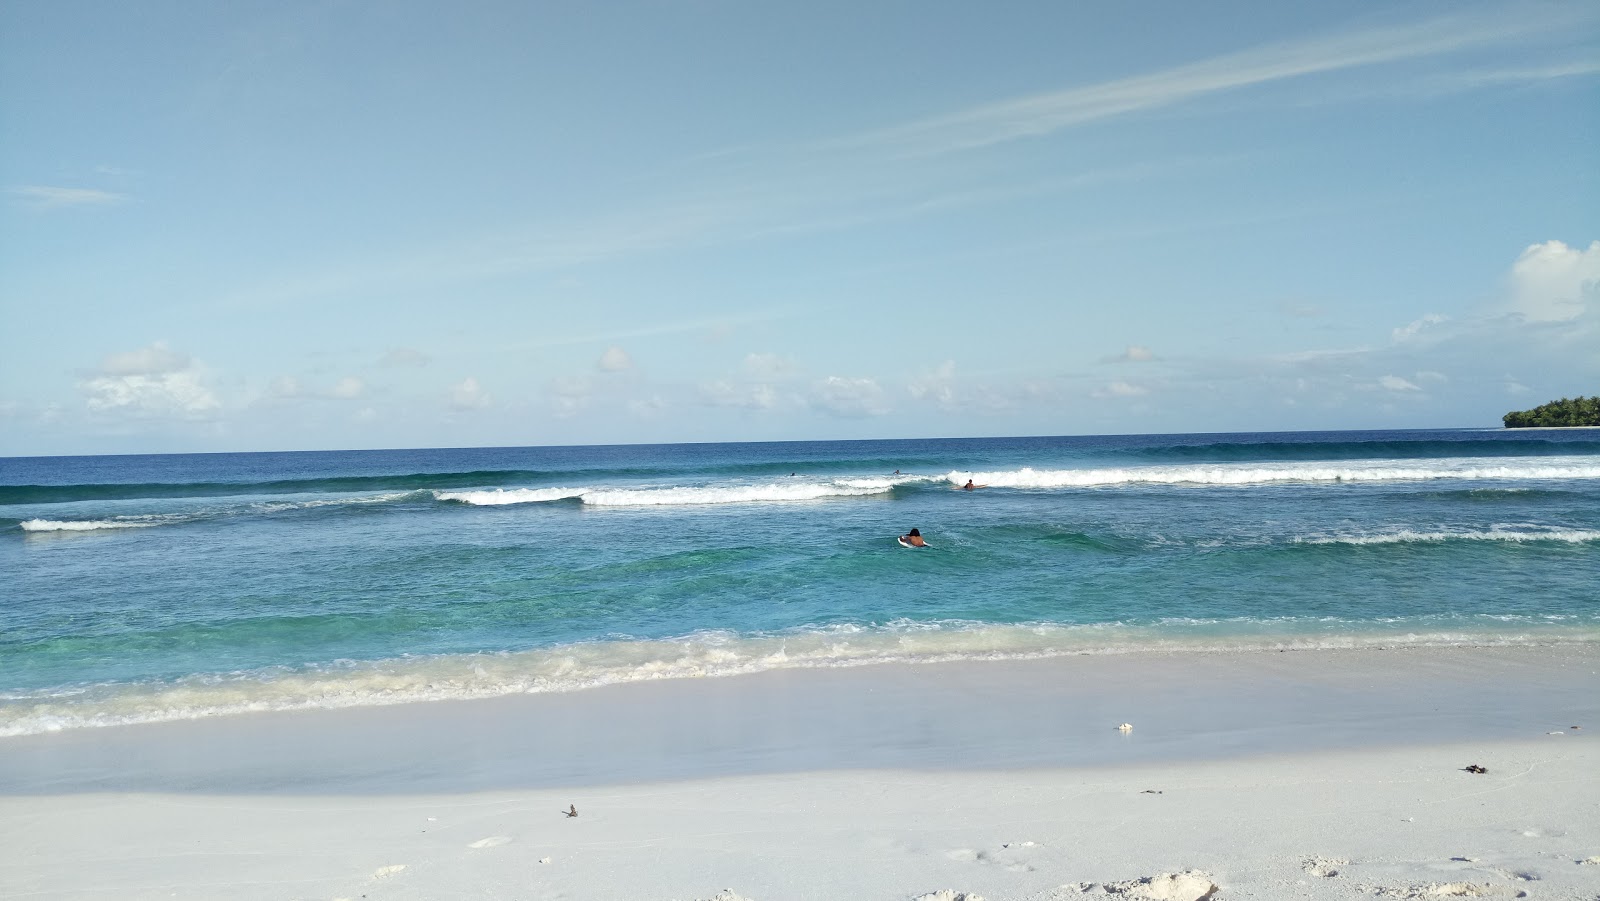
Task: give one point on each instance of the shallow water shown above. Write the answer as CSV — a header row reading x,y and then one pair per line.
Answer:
x,y
170,587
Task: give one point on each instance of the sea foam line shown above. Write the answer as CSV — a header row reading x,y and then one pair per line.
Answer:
x,y
143,521
1256,474
686,495
721,654
85,525
1498,533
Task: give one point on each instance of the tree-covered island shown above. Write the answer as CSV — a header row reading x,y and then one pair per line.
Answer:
x,y
1573,411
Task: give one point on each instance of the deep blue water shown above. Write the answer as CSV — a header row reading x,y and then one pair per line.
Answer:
x,y
140,588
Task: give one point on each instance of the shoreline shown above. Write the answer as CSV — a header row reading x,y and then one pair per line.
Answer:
x,y
1003,714
1315,775
586,667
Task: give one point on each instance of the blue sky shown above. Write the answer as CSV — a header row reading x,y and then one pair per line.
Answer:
x,y
262,226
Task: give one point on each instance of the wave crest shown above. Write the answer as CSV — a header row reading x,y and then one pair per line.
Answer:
x,y
1226,474
652,496
1498,533
84,525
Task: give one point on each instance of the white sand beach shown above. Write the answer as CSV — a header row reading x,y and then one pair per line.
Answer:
x,y
1309,775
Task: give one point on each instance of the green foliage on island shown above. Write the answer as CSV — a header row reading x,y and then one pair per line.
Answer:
x,y
1568,411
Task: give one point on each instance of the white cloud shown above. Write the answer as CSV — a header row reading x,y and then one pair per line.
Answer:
x,y
1554,282
404,356
151,381
179,394
1412,329
349,387
1428,375
46,197
723,393
849,397
468,395
1396,383
615,359
1135,353
152,359
1122,389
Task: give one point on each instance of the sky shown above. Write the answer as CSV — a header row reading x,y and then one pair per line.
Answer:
x,y
322,225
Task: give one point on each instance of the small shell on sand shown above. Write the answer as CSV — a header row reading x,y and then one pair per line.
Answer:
x,y
1125,727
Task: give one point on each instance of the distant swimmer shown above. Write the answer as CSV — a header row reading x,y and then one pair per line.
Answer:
x,y
897,472
912,538
971,487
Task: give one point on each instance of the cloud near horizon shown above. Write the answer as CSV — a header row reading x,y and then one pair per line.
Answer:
x,y
153,381
849,397
1553,282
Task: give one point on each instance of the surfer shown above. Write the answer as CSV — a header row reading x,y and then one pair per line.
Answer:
x,y
969,486
913,538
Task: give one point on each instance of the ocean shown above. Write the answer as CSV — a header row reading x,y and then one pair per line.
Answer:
x,y
155,588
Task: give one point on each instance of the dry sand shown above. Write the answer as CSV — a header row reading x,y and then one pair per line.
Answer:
x,y
1255,814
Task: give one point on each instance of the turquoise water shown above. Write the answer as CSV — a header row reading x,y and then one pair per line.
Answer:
x,y
169,587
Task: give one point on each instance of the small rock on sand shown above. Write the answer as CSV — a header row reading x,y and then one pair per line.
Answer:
x,y
728,894
386,872
948,895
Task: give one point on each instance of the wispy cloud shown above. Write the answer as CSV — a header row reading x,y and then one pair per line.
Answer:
x,y
1041,114
49,197
1492,77
863,179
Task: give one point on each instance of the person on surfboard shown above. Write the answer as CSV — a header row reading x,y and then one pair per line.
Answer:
x,y
971,487
913,538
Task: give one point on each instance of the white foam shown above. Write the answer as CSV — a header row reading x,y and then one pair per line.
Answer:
x,y
734,494
143,521
282,506
85,525
1497,533
499,496
711,654
680,495
1520,468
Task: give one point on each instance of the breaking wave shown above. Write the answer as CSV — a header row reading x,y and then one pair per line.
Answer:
x,y
88,525
1498,533
717,654
770,492
1319,472
141,521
